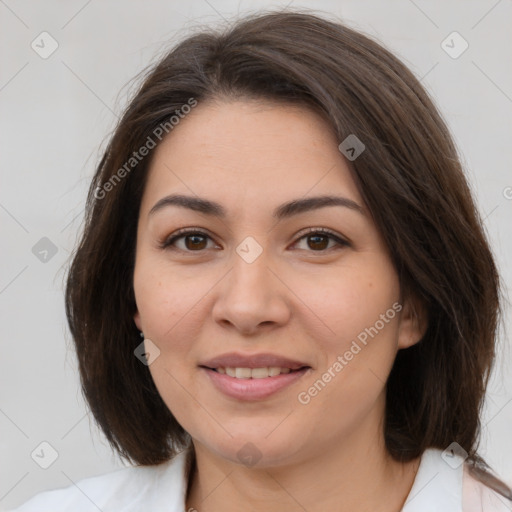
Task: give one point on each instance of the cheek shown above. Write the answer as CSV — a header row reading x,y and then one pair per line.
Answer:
x,y
360,314
172,306
167,303
349,300
166,300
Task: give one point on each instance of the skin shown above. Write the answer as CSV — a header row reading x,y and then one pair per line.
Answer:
x,y
303,298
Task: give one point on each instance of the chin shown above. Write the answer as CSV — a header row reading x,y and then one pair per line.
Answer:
x,y
256,450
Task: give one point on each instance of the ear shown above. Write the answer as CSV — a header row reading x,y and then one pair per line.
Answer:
x,y
413,322
136,319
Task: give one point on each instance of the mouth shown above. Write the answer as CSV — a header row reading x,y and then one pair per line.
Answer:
x,y
255,373
252,384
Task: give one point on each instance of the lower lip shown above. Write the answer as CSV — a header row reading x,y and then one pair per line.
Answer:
x,y
253,389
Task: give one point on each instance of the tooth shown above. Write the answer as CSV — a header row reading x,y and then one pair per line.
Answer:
x,y
254,373
243,373
273,371
259,373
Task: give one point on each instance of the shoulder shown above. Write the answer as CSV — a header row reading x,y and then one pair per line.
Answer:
x,y
479,497
131,489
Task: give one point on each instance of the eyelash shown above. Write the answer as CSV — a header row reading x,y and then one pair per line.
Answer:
x,y
182,233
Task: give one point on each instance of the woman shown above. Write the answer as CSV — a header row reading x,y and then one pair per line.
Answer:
x,y
282,216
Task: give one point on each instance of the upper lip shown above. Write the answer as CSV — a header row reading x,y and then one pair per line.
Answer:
x,y
237,360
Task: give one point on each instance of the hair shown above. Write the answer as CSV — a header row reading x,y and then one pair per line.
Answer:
x,y
410,178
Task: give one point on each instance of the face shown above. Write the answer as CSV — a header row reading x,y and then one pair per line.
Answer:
x,y
265,275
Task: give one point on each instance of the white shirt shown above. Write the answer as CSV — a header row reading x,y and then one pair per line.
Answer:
x,y
438,487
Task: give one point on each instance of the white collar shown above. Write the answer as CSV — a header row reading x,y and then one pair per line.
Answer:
x,y
438,484
173,483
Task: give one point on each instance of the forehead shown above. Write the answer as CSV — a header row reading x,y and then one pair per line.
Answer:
x,y
249,152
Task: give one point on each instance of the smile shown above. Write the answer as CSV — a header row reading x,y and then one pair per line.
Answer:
x,y
252,384
252,373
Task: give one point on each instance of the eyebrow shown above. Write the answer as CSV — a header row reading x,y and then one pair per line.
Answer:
x,y
284,211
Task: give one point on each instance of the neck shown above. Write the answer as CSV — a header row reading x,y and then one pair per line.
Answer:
x,y
349,475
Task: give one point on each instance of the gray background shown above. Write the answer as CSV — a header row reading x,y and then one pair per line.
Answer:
x,y
55,116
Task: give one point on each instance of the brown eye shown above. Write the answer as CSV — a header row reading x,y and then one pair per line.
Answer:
x,y
193,242
187,241
318,240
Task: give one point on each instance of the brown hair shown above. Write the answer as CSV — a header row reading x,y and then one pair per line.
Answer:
x,y
410,178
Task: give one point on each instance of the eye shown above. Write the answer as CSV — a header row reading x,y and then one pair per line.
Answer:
x,y
318,239
196,240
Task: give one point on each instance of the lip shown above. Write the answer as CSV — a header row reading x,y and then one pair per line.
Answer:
x,y
237,360
252,389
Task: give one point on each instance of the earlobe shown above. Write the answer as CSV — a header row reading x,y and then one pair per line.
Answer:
x,y
413,323
136,319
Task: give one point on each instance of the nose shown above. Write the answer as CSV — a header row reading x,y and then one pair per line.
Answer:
x,y
251,297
